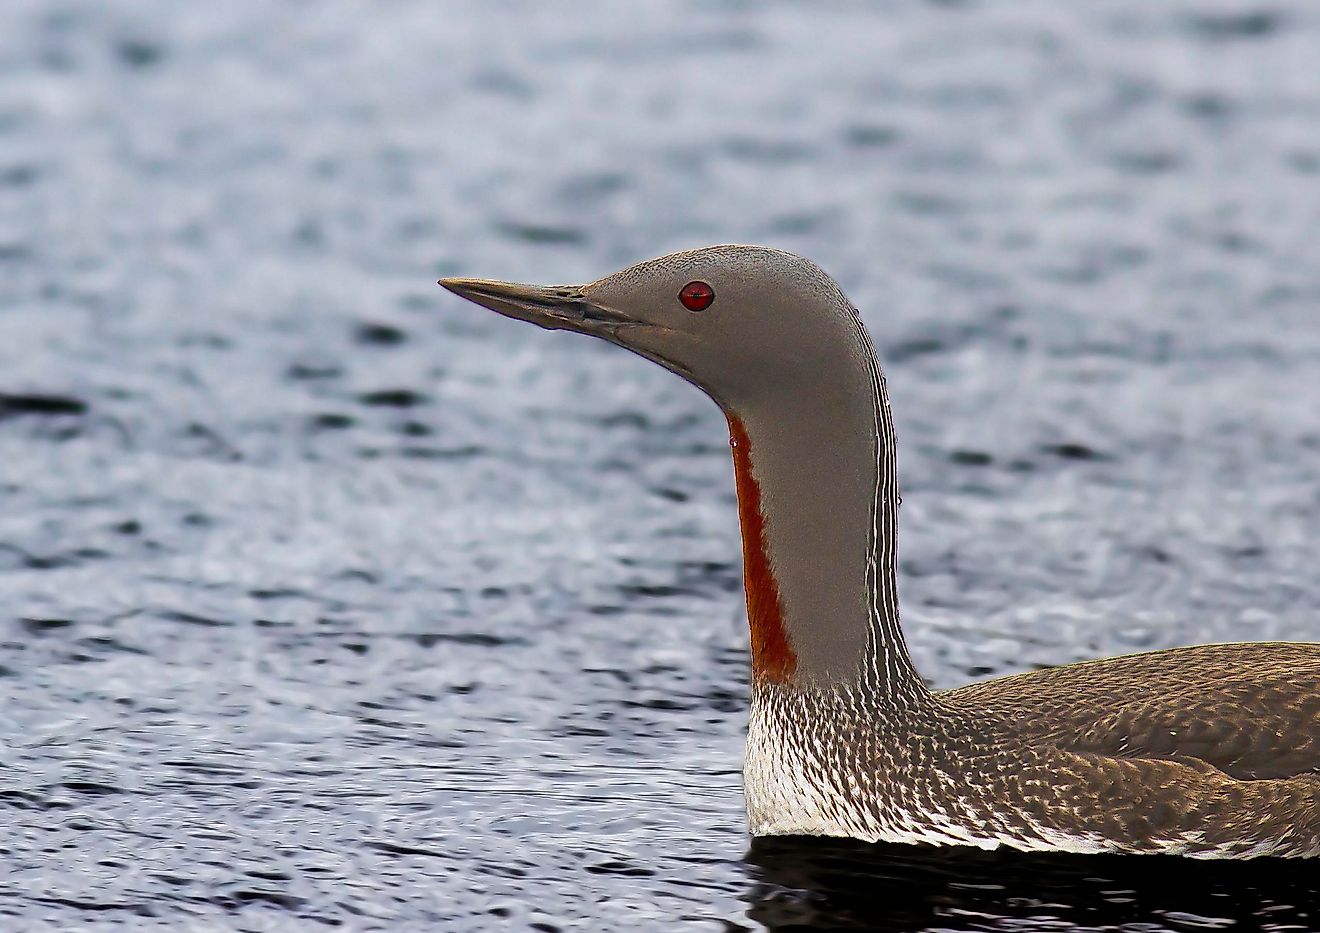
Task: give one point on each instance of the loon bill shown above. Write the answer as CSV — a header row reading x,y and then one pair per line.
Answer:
x,y
1209,751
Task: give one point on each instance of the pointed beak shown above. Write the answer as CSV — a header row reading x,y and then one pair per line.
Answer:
x,y
555,307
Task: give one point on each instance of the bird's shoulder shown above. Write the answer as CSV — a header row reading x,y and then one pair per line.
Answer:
x,y
1249,710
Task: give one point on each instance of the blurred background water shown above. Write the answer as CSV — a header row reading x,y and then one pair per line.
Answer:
x,y
326,599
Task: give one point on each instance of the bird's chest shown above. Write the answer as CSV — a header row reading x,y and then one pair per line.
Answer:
x,y
819,775
795,782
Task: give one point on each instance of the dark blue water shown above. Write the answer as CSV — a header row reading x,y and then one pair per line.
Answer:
x,y
326,599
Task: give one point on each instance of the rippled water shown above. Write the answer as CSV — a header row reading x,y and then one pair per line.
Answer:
x,y
328,599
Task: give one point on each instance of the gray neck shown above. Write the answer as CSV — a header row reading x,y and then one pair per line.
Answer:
x,y
823,456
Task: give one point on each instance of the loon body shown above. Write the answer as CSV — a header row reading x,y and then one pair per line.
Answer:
x,y
1210,751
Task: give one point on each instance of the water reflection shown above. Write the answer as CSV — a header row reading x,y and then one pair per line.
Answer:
x,y
824,884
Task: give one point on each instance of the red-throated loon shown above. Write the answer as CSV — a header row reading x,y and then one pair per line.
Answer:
x,y
1210,751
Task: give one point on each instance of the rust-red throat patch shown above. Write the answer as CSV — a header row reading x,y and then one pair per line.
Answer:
x,y
772,653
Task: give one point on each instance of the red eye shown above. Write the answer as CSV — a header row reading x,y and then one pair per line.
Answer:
x,y
696,296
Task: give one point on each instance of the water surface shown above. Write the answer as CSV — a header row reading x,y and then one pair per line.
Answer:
x,y
326,599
